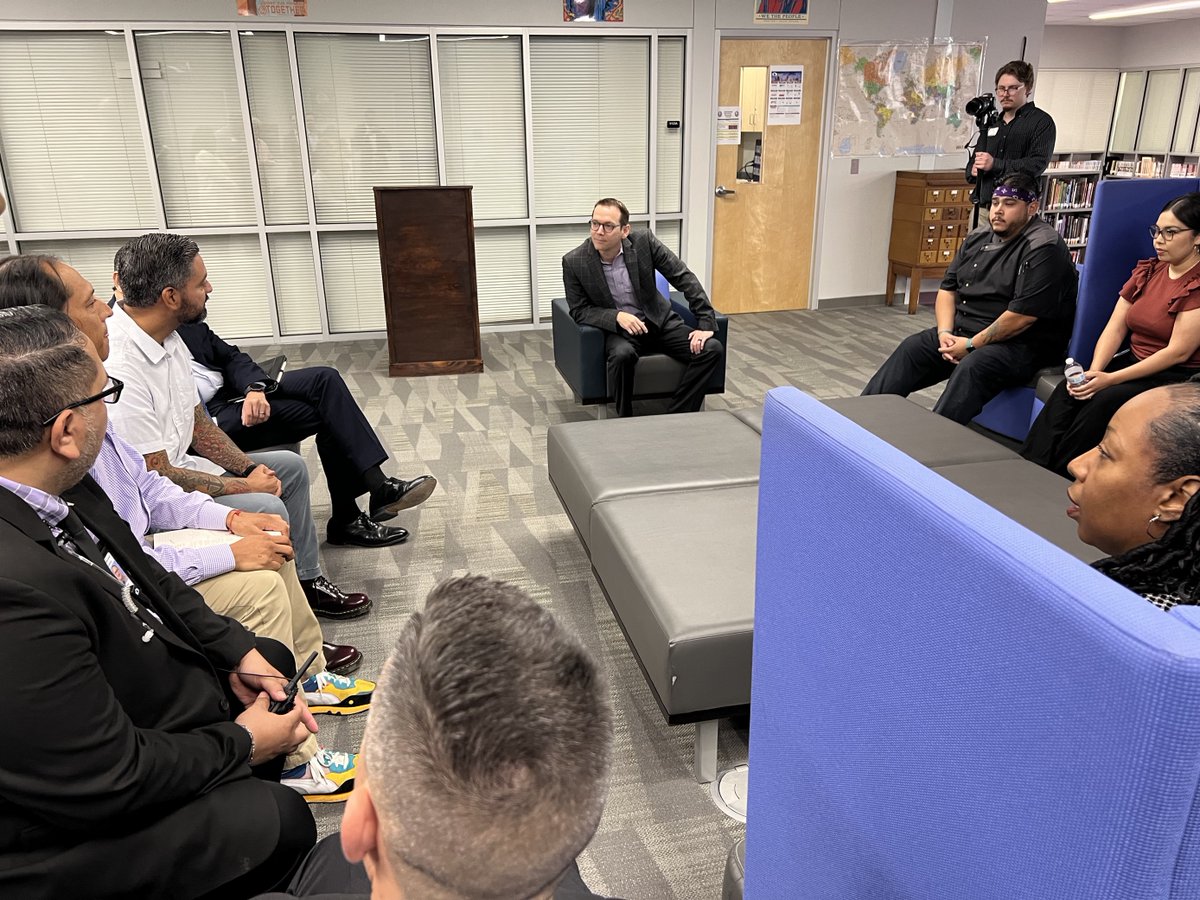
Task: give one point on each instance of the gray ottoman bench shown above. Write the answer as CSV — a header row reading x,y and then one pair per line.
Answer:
x,y
666,508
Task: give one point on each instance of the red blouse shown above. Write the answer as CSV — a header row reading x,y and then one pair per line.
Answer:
x,y
1156,300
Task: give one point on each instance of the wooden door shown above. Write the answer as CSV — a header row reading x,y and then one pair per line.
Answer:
x,y
763,232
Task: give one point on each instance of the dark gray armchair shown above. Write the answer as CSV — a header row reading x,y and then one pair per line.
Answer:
x,y
579,358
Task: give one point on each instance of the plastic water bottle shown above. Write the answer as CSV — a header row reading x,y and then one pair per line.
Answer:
x,y
1074,373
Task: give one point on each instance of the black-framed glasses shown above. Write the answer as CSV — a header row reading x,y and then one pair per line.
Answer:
x,y
110,394
1168,234
606,227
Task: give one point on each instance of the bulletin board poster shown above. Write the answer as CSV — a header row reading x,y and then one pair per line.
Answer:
x,y
593,10
781,11
785,95
729,125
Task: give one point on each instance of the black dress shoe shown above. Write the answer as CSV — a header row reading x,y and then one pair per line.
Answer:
x,y
330,601
395,495
341,659
362,532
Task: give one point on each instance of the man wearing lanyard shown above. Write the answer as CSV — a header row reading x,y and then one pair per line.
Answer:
x,y
143,718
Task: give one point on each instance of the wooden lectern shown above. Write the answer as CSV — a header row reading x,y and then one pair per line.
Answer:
x,y
427,255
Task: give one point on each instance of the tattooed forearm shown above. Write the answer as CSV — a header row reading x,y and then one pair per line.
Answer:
x,y
210,442
189,479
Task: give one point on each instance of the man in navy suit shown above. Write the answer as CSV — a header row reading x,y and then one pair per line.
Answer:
x,y
609,281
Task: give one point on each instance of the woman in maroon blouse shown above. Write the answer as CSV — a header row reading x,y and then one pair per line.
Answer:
x,y
1158,310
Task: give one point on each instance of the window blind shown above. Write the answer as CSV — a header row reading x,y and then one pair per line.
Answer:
x,y
353,281
502,275
553,241
368,106
669,189
92,258
668,231
273,120
295,283
1189,110
238,306
590,143
1158,115
1081,102
483,122
1130,91
196,128
69,133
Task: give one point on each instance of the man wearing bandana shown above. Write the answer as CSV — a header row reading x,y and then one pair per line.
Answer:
x,y
1004,311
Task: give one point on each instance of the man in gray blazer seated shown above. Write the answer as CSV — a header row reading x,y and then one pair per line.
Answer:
x,y
609,280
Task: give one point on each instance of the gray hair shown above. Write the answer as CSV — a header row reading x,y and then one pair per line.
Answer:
x,y
148,265
487,750
44,366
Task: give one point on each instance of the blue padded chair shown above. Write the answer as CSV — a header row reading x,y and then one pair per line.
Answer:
x,y
1022,728
1117,239
580,359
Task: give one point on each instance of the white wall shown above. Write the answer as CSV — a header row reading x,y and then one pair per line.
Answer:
x,y
857,208
1082,47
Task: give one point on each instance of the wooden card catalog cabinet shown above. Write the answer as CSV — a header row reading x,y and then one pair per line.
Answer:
x,y
930,217
427,254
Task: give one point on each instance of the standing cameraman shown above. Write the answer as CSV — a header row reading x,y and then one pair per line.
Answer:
x,y
1020,142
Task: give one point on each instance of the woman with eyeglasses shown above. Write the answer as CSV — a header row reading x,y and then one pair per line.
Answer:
x,y
1158,311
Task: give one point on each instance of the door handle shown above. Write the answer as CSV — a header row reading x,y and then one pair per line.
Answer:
x,y
721,190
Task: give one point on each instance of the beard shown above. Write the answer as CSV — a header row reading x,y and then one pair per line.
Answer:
x,y
198,315
74,470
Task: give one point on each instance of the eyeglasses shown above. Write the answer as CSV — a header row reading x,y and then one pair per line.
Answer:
x,y
1007,89
1168,234
606,227
110,394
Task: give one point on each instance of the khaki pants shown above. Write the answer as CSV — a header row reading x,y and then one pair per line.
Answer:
x,y
271,604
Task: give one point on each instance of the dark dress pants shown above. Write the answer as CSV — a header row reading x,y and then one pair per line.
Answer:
x,y
978,377
622,351
326,875
1067,428
314,401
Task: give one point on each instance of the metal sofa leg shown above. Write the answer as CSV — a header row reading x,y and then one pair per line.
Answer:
x,y
602,411
706,750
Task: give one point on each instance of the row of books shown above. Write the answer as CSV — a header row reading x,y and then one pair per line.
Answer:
x,y
1073,228
1074,193
1078,165
1146,167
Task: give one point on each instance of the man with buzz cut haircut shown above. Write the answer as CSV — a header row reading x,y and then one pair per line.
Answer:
x,y
1004,311
486,758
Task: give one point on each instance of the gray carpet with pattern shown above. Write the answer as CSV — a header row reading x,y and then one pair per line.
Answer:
x,y
495,513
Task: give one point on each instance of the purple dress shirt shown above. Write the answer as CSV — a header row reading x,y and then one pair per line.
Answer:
x,y
149,502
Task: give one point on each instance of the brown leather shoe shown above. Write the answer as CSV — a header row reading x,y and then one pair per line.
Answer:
x,y
341,659
330,601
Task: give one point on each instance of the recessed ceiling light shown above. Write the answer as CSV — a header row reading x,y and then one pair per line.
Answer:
x,y
1147,10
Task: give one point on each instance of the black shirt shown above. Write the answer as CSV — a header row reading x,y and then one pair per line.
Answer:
x,y
1031,274
1022,145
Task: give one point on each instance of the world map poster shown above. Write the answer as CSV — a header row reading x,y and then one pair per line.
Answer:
x,y
905,98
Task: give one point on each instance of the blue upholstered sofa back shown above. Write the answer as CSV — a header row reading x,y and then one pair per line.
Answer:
x,y
944,705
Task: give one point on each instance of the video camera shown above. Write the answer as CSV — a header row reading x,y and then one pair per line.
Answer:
x,y
983,108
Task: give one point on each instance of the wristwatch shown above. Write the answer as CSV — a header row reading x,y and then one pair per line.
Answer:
x,y
970,344
260,386
249,469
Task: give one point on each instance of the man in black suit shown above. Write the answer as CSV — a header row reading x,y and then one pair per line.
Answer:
x,y
609,280
130,744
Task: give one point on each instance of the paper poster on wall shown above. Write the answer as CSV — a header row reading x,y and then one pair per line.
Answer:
x,y
729,124
593,10
785,95
781,11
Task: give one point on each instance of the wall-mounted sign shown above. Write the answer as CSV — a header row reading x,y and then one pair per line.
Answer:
x,y
272,8
729,124
781,11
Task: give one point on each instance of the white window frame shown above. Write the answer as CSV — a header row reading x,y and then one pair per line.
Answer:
x,y
313,229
